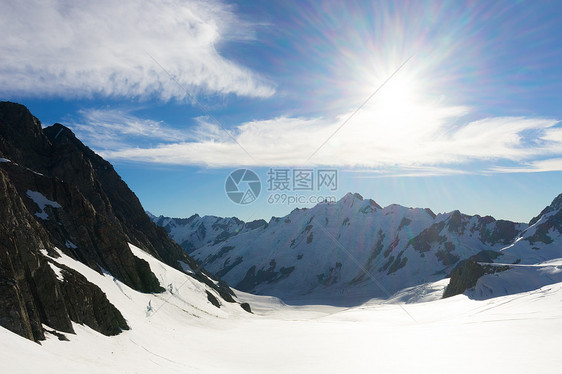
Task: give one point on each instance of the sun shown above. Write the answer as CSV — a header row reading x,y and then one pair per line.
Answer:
x,y
399,108
401,93
402,116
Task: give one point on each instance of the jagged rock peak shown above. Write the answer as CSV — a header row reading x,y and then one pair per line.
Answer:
x,y
21,138
430,212
351,195
58,132
555,205
365,205
18,116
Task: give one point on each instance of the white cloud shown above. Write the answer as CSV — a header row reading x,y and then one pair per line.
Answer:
x,y
553,164
68,48
406,171
112,129
422,139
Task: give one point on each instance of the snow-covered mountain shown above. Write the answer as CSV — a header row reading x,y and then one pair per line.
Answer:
x,y
194,232
533,260
60,200
345,252
542,240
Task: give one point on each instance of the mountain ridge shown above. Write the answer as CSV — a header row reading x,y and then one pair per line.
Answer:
x,y
399,247
58,195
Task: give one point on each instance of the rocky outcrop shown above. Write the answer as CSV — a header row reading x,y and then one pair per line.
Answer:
x,y
100,184
79,229
57,193
467,272
21,138
32,293
463,277
488,230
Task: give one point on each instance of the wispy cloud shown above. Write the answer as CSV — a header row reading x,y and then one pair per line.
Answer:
x,y
67,49
432,140
553,164
406,171
115,129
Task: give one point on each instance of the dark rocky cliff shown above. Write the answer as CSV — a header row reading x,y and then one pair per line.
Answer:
x,y
32,295
91,215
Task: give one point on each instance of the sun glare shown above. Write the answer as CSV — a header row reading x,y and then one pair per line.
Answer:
x,y
402,118
399,94
399,108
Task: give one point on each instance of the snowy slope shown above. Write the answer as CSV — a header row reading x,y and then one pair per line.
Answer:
x,y
517,279
183,332
531,261
542,241
182,291
184,302
510,334
348,252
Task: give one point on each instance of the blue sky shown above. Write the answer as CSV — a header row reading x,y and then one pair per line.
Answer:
x,y
177,94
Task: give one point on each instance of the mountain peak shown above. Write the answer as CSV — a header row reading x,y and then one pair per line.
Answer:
x,y
556,204
365,205
21,137
349,198
351,195
57,132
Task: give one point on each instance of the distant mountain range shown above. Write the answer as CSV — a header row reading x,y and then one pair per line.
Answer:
x,y
353,250
58,198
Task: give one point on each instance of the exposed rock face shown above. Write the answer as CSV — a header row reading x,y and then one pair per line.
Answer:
x,y
20,238
32,293
463,277
87,304
488,230
56,192
466,274
97,180
20,132
77,227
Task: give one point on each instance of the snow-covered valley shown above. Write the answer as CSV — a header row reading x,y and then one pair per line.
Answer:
x,y
185,333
